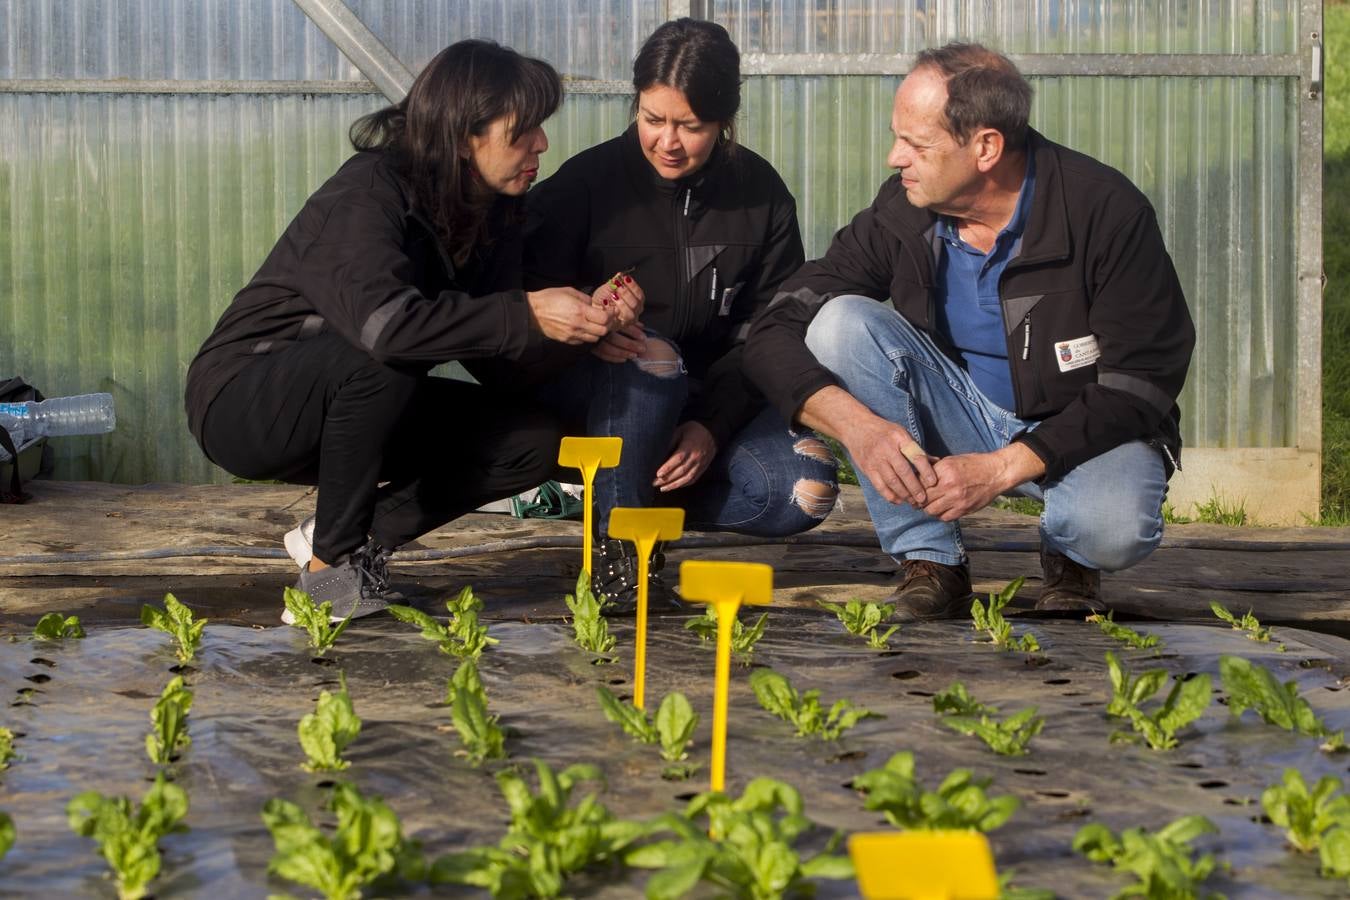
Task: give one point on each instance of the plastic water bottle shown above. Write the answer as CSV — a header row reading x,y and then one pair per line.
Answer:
x,y
59,416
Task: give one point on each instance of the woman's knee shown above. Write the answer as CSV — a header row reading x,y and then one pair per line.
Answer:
x,y
814,486
660,359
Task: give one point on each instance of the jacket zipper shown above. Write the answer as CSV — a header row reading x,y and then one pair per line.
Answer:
x,y
680,315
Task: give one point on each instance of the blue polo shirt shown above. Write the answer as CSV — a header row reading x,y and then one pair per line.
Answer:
x,y
968,311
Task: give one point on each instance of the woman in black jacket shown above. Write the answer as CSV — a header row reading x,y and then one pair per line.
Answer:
x,y
409,256
674,221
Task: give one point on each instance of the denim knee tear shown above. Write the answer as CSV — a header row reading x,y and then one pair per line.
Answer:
x,y
815,498
662,360
813,448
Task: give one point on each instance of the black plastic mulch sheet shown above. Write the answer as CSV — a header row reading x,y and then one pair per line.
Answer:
x,y
83,710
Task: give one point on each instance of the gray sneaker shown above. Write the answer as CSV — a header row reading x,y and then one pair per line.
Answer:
x,y
358,587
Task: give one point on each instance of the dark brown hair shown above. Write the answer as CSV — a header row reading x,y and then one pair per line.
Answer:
x,y
699,60
984,90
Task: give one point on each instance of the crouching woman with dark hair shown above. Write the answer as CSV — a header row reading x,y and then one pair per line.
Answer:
x,y
409,256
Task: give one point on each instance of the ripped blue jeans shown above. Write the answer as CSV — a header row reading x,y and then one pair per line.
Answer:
x,y
769,480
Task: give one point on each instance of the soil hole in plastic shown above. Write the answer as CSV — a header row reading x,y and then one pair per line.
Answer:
x,y
326,784
1054,795
1189,765
1072,693
1037,661
323,661
1188,676
1213,783
41,661
183,669
1059,681
920,693
846,756
906,674
1262,819
889,653
1030,771
39,678
1234,801
618,681
1081,812
686,796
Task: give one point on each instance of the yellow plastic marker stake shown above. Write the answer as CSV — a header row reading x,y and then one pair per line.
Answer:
x,y
589,454
923,865
644,527
726,585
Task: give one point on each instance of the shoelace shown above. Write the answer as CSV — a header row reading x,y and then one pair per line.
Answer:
x,y
374,569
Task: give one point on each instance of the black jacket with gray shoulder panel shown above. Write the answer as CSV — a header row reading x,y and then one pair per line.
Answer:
x,y
1092,264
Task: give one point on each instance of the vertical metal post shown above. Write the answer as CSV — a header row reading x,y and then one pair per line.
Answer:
x,y
360,45
1310,274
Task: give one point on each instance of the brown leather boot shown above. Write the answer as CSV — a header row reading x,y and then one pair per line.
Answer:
x,y
930,590
1069,588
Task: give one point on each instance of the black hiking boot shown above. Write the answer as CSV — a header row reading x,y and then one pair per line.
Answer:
x,y
1069,589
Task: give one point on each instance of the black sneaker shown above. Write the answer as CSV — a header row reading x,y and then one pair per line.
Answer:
x,y
931,590
1068,587
356,587
615,580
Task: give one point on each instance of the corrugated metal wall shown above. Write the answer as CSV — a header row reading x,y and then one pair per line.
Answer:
x,y
128,221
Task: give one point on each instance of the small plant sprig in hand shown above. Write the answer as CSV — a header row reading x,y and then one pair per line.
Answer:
x,y
482,737
1164,862
463,636
316,620
327,731
128,836
960,712
743,639
1248,624
367,849
1250,686
672,727
804,711
169,717
991,621
864,620
177,621
55,627
590,629
960,802
1186,702
1126,635
1305,815
753,855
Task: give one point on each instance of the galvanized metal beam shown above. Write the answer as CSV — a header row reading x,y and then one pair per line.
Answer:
x,y
360,45
1198,65
175,86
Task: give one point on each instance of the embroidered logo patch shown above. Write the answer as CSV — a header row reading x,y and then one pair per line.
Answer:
x,y
1077,353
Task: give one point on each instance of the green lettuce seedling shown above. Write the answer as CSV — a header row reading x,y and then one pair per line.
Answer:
x,y
462,636
753,854
960,802
169,718
1186,702
55,627
482,737
367,849
1334,853
803,711
6,748
1126,635
6,834
991,621
128,836
1250,686
1248,624
315,620
1304,814
961,712
743,639
327,731
1009,891
1164,861
672,728
864,619
590,629
549,837
177,621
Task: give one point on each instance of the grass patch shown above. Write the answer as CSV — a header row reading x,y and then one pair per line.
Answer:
x,y
1336,264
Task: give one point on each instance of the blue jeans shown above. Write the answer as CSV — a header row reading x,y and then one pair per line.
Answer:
x,y
760,483
1104,514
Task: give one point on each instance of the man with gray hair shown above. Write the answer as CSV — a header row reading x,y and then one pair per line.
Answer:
x,y
1037,345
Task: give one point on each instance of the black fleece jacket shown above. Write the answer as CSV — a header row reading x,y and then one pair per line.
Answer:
x,y
709,251
1092,265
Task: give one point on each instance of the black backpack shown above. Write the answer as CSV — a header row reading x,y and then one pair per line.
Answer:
x,y
16,390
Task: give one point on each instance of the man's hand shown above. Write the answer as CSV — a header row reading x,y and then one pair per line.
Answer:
x,y
621,297
971,481
693,449
566,315
621,344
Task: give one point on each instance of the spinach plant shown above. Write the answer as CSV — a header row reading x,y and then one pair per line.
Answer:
x,y
743,638
128,836
1126,635
1334,853
804,711
169,718
177,621
55,627
6,748
1250,686
864,620
6,833
672,727
991,621
961,800
967,716
1163,861
549,837
316,620
1305,815
1248,623
590,628
367,849
482,737
1186,702
751,852
462,636
327,731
